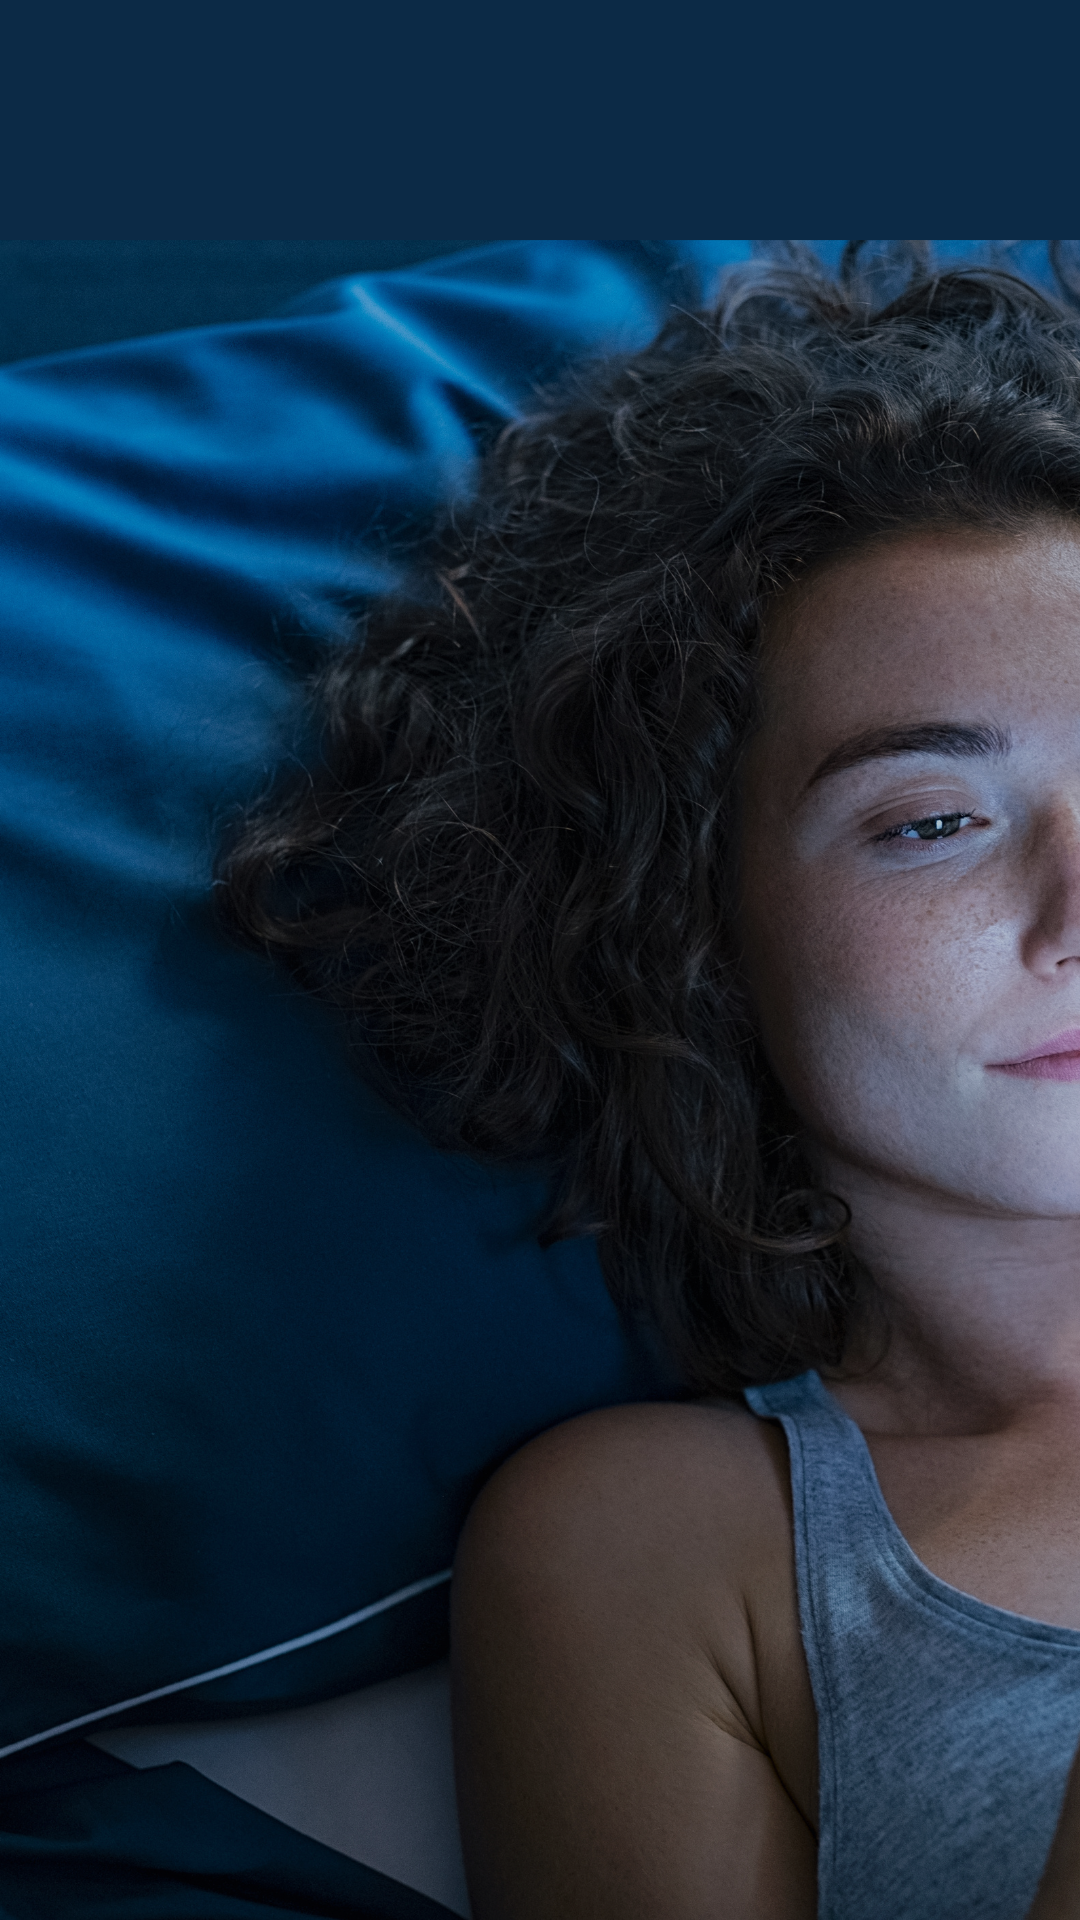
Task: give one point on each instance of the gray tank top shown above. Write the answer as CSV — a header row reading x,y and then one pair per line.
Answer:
x,y
945,1726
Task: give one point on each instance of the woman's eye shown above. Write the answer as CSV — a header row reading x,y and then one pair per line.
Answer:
x,y
936,826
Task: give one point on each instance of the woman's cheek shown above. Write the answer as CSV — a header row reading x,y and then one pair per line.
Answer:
x,y
862,998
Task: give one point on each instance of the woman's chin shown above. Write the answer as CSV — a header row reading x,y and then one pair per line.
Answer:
x,y
1030,1160
1034,1176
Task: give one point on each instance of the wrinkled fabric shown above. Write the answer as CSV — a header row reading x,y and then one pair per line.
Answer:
x,y
258,1342
84,1837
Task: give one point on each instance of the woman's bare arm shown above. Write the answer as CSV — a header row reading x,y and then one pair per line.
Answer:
x,y
612,1761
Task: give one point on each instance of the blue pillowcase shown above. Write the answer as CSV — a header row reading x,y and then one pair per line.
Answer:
x,y
260,1343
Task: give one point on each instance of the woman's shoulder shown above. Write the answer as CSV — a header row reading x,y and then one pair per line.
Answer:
x,y
640,1472
675,1514
628,1668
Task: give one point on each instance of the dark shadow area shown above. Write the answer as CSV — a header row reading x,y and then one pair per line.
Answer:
x,y
58,295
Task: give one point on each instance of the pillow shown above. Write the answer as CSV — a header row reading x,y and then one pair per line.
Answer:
x,y
260,1342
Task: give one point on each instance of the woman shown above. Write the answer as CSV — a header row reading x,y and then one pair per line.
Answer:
x,y
711,833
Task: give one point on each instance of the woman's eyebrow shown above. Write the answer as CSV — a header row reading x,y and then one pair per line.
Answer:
x,y
945,736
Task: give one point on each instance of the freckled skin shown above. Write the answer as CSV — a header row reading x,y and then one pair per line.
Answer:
x,y
885,984
635,1730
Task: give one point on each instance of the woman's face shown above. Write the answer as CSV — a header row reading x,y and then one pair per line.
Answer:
x,y
911,902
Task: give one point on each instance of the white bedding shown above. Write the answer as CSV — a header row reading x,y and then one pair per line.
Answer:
x,y
370,1774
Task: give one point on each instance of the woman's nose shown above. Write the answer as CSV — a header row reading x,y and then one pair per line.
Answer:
x,y
1052,862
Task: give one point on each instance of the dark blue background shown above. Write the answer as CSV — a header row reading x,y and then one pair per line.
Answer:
x,y
346,116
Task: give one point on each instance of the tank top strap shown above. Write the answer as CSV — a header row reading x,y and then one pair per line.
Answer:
x,y
845,1537
834,1487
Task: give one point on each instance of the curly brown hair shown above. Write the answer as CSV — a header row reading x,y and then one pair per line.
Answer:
x,y
513,865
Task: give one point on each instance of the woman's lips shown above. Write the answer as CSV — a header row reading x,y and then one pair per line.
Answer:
x,y
1057,1059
